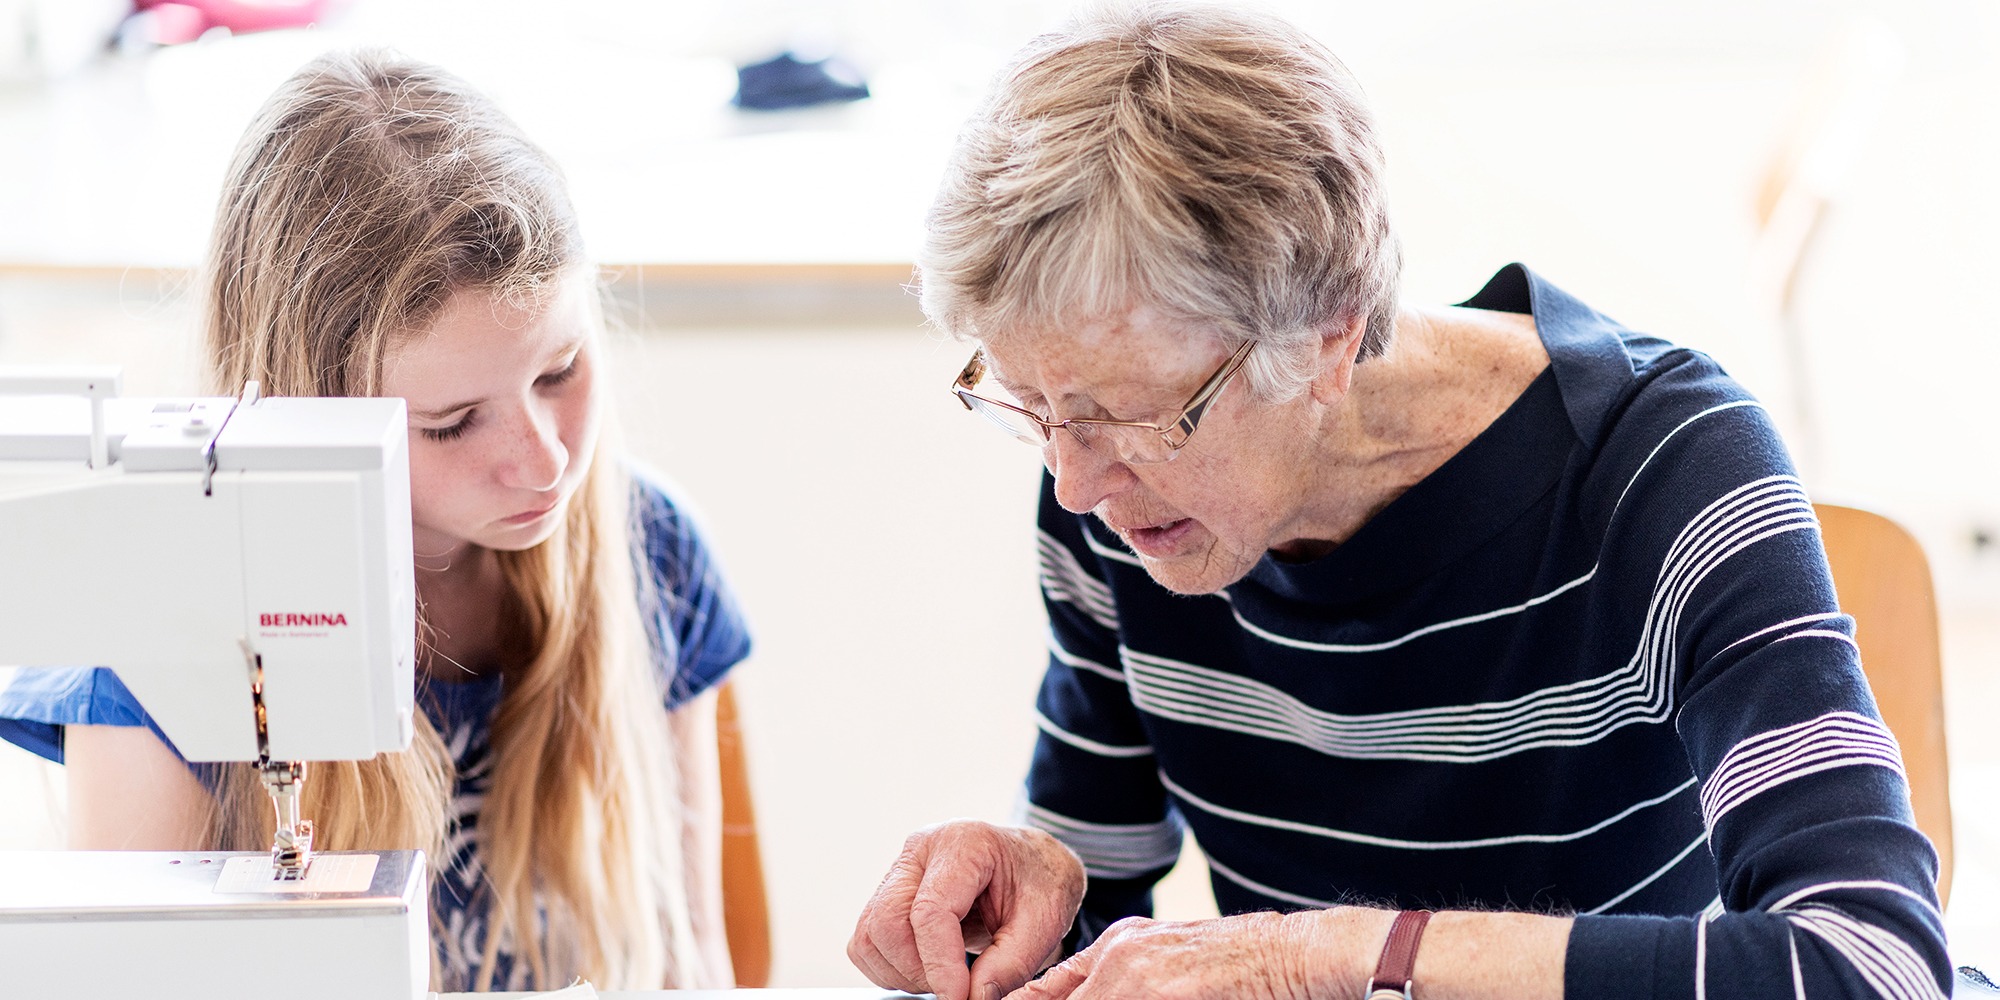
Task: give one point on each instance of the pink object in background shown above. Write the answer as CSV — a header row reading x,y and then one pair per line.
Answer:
x,y
177,21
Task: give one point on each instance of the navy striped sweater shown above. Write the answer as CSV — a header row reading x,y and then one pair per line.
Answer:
x,y
1592,665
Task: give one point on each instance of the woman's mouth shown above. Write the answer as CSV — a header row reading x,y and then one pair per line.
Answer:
x,y
1161,540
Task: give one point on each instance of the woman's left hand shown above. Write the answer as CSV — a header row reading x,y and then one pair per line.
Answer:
x,y
1254,956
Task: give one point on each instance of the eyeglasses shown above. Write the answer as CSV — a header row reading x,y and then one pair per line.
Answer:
x,y
1131,441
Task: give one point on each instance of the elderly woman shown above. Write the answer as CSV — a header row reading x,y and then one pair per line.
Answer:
x,y
1498,610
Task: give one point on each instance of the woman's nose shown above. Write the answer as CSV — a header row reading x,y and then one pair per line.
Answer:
x,y
1084,478
539,455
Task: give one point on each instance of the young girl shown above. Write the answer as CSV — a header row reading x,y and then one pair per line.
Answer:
x,y
387,231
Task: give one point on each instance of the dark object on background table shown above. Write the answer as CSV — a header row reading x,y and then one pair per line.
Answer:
x,y
785,81
1973,982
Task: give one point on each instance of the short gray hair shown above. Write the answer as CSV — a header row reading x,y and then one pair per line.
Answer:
x,y
1217,165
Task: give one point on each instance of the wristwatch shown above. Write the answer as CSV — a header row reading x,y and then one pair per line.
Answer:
x,y
1398,964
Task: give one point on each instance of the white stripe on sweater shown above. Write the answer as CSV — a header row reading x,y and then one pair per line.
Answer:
x,y
1296,643
1769,759
1113,850
1376,647
1814,890
1650,879
1116,555
1803,620
1885,961
1065,579
1572,714
1709,914
1258,887
1075,662
1670,436
1089,745
1372,840
1824,633
1798,976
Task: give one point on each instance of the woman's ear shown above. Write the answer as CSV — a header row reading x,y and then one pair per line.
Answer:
x,y
1339,346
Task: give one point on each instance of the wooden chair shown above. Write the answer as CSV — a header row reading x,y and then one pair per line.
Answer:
x,y
745,913
1884,583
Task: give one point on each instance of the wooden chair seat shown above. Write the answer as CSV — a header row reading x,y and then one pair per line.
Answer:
x,y
1884,583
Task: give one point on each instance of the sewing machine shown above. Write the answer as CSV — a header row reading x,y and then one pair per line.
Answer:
x,y
244,566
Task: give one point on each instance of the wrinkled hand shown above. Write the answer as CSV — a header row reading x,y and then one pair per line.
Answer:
x,y
1255,956
1005,892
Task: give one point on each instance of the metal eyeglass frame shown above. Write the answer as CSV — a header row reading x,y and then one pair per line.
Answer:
x,y
1185,424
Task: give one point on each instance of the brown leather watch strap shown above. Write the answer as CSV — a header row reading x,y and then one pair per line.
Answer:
x,y
1398,964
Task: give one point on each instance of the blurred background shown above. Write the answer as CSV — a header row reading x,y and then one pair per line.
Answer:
x,y
1802,188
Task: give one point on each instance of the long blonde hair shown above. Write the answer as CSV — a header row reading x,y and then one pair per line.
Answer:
x,y
366,192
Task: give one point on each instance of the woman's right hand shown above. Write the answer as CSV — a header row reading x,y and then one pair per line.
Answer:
x,y
1008,893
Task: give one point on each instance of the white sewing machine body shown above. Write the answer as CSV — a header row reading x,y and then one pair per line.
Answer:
x,y
182,926
298,542
195,546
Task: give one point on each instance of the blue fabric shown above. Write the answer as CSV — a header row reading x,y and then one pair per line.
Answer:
x,y
698,635
1592,664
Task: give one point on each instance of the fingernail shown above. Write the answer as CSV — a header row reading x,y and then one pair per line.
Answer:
x,y
989,991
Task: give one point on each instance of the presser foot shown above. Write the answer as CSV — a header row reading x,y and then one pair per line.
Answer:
x,y
291,841
291,852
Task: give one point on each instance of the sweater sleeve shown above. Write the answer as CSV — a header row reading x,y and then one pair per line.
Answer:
x,y
1094,783
1827,889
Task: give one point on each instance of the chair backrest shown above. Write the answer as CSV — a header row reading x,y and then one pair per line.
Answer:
x,y
746,914
1884,584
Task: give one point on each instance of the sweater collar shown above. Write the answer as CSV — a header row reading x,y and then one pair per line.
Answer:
x,y
1497,476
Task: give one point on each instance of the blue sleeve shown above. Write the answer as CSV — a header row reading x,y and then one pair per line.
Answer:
x,y
697,626
40,702
1827,887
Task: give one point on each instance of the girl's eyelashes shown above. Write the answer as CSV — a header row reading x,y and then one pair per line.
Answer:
x,y
457,430
554,379
454,431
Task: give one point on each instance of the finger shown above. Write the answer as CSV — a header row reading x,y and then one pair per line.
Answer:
x,y
940,946
897,927
882,935
895,941
973,928
873,964
1022,947
948,892
1058,983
